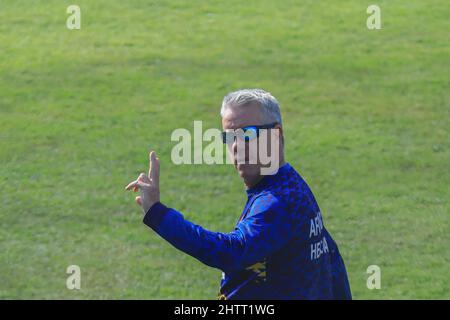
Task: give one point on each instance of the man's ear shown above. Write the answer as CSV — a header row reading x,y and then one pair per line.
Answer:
x,y
280,132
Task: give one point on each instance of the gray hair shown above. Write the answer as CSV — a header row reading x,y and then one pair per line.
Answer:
x,y
268,103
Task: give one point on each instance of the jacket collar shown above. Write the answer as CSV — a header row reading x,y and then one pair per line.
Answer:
x,y
269,180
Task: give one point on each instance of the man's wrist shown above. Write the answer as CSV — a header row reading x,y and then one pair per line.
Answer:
x,y
155,214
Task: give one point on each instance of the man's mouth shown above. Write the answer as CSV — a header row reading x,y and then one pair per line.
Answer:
x,y
242,166
245,162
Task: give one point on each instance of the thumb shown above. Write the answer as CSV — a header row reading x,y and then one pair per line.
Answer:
x,y
138,200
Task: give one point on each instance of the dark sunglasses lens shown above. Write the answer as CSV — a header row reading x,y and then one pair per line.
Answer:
x,y
250,133
228,137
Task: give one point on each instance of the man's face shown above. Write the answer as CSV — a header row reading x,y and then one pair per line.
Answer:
x,y
236,118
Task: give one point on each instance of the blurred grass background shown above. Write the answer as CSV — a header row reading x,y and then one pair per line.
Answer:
x,y
366,117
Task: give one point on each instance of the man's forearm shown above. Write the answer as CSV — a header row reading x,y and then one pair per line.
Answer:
x,y
215,249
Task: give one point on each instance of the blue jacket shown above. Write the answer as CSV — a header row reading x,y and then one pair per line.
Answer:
x,y
279,248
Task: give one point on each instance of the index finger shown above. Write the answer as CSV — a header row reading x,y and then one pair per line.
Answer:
x,y
154,168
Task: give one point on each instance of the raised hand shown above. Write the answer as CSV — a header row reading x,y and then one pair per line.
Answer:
x,y
148,185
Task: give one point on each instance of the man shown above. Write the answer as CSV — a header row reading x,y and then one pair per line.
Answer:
x,y
279,248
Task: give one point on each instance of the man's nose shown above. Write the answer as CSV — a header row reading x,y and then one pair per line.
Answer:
x,y
240,150
234,147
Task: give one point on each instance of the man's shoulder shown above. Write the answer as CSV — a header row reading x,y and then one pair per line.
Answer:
x,y
293,192
268,207
266,200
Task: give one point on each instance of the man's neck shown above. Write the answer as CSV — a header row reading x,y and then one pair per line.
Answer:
x,y
282,163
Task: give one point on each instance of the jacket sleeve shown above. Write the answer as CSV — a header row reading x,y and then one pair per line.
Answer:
x,y
265,230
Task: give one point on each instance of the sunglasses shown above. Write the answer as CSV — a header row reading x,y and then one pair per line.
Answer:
x,y
246,133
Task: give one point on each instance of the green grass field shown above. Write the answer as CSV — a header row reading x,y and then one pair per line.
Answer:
x,y
366,121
